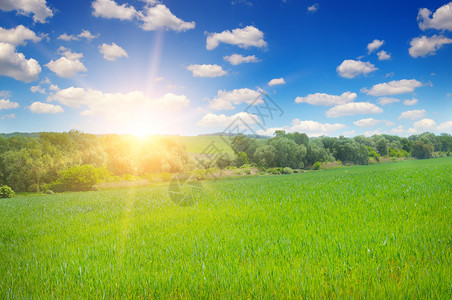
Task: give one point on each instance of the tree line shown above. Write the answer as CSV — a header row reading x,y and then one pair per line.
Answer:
x,y
75,161
296,150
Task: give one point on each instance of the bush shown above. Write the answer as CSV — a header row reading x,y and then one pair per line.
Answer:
x,y
287,170
78,178
317,166
6,192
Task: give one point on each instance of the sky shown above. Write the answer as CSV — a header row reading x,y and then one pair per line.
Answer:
x,y
201,66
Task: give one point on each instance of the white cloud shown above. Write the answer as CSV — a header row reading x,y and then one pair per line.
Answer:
x,y
412,114
159,16
371,47
353,108
441,19
387,100
246,37
423,46
445,127
276,81
158,79
37,89
111,10
327,100
311,128
38,8
45,108
383,55
118,105
371,122
112,52
422,126
68,65
206,70
6,104
313,8
394,87
67,37
54,87
223,121
15,65
351,68
85,34
237,59
226,99
410,102
8,116
18,36
398,130
153,16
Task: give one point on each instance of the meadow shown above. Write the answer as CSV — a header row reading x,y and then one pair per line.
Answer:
x,y
378,231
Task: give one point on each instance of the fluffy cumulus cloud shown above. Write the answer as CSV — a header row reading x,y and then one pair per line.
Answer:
x,y
68,65
313,8
225,100
153,16
237,59
412,114
37,89
353,108
156,15
326,99
387,100
371,122
445,127
117,106
112,52
45,108
38,8
441,19
85,34
276,81
7,104
18,35
15,65
109,9
222,121
423,46
394,87
410,102
206,70
311,128
351,68
383,55
246,37
371,47
422,126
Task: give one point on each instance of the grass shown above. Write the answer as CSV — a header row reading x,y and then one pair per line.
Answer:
x,y
380,231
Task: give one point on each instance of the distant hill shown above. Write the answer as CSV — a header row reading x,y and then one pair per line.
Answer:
x,y
25,134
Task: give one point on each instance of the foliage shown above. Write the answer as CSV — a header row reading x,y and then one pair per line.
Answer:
x,y
80,178
422,149
241,158
6,192
317,166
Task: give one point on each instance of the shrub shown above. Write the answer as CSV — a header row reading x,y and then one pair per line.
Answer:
x,y
79,178
287,170
317,166
6,192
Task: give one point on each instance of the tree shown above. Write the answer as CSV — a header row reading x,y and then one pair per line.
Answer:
x,y
422,149
265,155
241,159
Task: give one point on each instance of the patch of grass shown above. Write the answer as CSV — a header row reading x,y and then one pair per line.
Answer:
x,y
380,231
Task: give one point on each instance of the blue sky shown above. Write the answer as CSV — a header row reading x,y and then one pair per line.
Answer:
x,y
191,67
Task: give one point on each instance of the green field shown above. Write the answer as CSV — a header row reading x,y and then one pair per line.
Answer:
x,y
379,231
